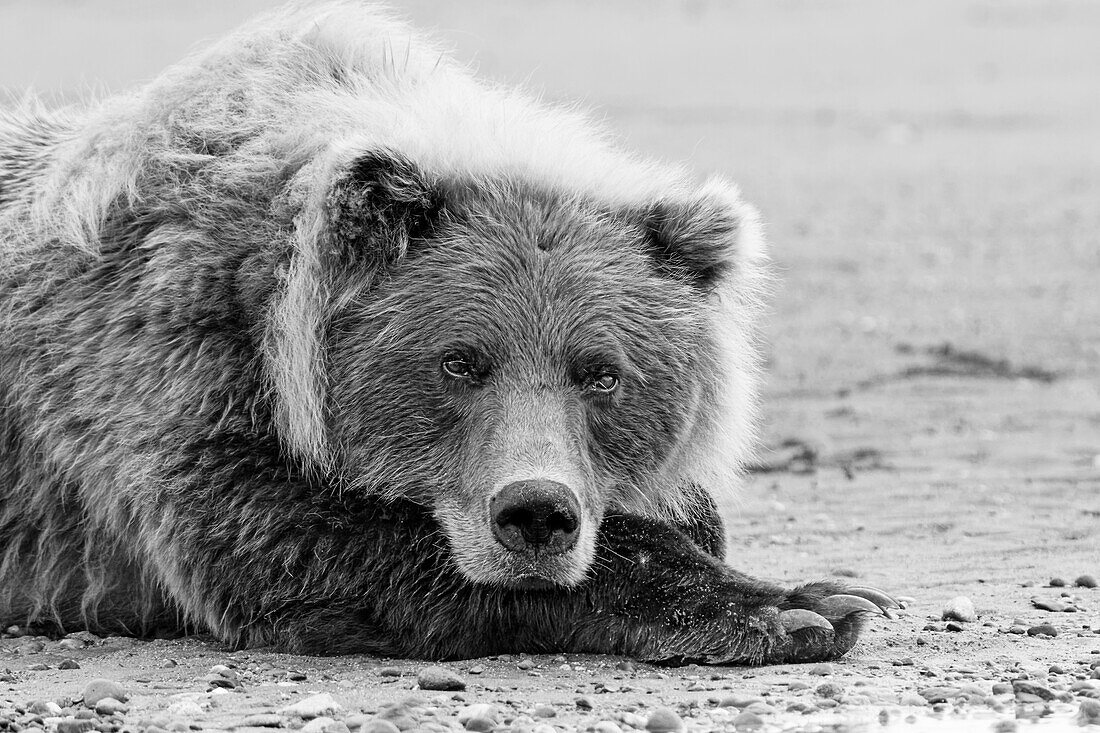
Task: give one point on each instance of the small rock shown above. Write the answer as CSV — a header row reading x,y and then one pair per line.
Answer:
x,y
954,626
169,664
1017,630
110,706
626,665
1026,687
829,690
1001,688
100,688
663,720
798,686
478,710
939,694
74,725
378,725
606,726
913,699
314,706
1049,605
440,678
323,724
68,664
481,725
389,672
959,608
804,708
747,721
1042,630
71,644
544,711
1056,669
821,670
262,720
45,708
476,669
1089,712
1085,581
585,703
1057,583
525,664
739,701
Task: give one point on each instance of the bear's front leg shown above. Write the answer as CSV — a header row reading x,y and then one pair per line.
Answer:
x,y
651,593
661,598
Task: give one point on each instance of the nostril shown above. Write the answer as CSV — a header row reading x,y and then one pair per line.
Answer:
x,y
540,515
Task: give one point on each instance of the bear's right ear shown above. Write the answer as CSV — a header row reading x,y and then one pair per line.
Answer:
x,y
703,237
376,205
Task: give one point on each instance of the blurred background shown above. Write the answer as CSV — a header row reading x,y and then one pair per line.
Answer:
x,y
930,175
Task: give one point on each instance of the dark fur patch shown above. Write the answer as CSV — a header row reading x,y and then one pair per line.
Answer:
x,y
694,241
381,203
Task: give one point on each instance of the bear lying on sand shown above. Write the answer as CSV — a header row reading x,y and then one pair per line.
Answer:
x,y
319,342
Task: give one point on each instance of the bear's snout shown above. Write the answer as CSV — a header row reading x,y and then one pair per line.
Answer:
x,y
538,515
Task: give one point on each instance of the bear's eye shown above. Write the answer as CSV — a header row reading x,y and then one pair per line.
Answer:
x,y
457,366
605,383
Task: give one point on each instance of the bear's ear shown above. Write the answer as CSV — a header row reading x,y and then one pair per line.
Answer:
x,y
698,238
377,204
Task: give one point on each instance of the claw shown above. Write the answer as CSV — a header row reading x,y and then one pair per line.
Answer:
x,y
842,605
799,618
874,595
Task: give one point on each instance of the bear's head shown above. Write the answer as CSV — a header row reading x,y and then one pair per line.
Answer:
x,y
519,359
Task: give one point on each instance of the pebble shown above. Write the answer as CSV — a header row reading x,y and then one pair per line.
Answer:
x,y
959,608
478,710
389,672
1049,605
440,678
821,670
1057,583
262,720
525,664
1089,713
378,725
663,720
544,711
829,690
913,699
585,703
1085,581
1002,688
747,721
314,706
476,669
100,688
606,726
68,664
1042,630
954,626
74,725
1027,687
110,706
738,701
798,685
481,725
939,694
323,724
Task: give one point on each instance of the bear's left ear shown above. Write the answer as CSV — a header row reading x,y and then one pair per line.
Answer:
x,y
703,237
377,204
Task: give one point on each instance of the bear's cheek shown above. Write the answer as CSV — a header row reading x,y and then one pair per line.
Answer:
x,y
633,437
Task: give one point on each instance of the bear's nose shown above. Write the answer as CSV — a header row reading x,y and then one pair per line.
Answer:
x,y
535,515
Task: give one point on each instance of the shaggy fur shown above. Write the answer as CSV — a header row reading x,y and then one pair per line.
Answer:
x,y
223,303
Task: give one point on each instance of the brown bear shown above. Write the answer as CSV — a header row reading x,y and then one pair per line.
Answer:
x,y
318,342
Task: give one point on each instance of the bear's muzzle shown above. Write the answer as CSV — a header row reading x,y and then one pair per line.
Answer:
x,y
539,516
